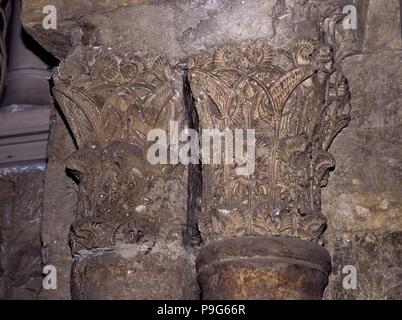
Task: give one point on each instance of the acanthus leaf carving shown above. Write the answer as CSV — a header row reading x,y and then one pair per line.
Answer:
x,y
111,103
297,102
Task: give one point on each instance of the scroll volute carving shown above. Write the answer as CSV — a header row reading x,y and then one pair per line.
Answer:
x,y
111,103
297,102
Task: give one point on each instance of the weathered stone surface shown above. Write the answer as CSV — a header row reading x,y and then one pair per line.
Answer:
x,y
363,200
273,268
166,273
383,28
71,21
20,243
59,203
377,258
365,192
175,27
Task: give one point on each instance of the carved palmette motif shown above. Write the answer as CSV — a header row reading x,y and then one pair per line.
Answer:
x,y
297,102
111,103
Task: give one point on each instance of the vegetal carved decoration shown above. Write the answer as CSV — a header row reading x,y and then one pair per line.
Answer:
x,y
111,103
297,102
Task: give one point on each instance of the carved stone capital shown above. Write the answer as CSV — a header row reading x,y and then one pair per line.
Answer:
x,y
111,103
297,102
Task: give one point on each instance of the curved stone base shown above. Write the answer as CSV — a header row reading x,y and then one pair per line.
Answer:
x,y
114,275
272,268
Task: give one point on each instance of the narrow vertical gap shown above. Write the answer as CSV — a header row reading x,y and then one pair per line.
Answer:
x,y
194,183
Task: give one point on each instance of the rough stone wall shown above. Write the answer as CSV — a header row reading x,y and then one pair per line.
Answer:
x,y
59,202
20,244
177,28
36,211
363,200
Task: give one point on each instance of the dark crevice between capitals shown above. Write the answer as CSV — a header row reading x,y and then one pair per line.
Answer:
x,y
194,185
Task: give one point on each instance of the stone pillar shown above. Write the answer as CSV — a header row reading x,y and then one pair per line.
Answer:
x,y
128,238
263,268
296,102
